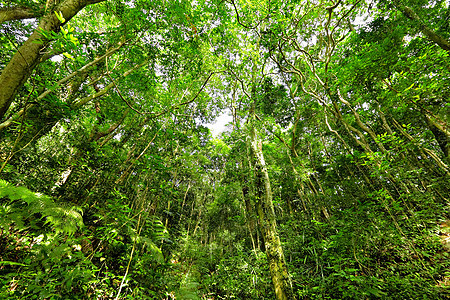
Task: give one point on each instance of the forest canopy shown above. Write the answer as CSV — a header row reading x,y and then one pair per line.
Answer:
x,y
331,180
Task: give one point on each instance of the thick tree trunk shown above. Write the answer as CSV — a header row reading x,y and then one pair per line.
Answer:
x,y
28,56
266,213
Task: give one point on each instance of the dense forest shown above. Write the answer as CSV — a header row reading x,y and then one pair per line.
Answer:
x,y
330,181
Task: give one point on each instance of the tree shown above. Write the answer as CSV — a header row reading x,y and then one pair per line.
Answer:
x,y
330,181
29,55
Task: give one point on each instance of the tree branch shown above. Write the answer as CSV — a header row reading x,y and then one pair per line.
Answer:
x,y
418,22
19,13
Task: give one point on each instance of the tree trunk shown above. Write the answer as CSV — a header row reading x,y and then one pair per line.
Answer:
x,y
249,216
420,24
441,134
267,220
29,54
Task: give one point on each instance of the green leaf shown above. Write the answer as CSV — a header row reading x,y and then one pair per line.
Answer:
x,y
410,87
68,55
11,263
60,16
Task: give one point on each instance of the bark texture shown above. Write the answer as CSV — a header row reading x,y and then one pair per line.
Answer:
x,y
18,13
267,219
18,70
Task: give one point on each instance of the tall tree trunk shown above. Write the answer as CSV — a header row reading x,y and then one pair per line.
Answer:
x,y
267,220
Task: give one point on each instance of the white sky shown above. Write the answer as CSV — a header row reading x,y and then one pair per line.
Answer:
x,y
219,125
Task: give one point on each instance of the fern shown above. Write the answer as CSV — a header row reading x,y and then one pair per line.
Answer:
x,y
152,249
25,209
153,237
159,231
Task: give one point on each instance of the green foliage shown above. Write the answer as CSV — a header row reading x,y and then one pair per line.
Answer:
x,y
51,270
25,209
275,102
241,276
137,201
360,253
237,274
46,253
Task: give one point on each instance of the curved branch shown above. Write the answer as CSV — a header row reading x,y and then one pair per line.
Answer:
x,y
11,120
28,56
19,13
242,84
239,20
191,100
102,92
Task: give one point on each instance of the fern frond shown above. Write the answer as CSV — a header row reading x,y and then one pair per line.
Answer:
x,y
151,247
160,231
23,205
